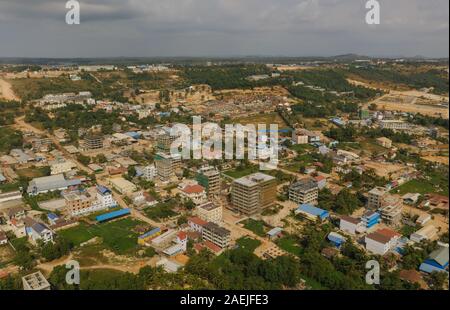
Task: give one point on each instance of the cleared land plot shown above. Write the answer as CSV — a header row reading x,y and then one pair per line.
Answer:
x,y
248,243
117,236
290,245
424,187
161,211
258,227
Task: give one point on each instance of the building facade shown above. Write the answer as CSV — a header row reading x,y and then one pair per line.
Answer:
x,y
254,193
305,191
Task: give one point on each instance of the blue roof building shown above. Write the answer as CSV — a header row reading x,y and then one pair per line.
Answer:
x,y
133,134
371,219
336,239
312,212
274,232
437,261
103,190
112,215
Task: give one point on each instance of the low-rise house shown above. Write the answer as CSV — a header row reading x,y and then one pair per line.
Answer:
x,y
15,213
321,181
423,219
196,193
336,239
196,224
180,245
382,241
351,225
312,213
275,233
426,233
410,198
38,231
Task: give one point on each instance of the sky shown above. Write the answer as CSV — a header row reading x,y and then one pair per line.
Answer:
x,y
220,28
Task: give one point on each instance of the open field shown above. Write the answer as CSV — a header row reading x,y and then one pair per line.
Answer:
x,y
267,119
258,227
386,169
248,243
414,102
437,159
6,91
117,236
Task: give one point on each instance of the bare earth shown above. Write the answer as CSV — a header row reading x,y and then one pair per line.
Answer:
x,y
6,91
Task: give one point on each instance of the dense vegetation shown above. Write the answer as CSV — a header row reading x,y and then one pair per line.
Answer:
x,y
431,78
228,77
10,139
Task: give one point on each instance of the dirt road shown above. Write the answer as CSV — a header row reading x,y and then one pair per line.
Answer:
x,y
6,91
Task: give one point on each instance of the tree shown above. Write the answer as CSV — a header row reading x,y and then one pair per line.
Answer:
x,y
438,280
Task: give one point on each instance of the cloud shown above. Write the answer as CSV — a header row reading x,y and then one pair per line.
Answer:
x,y
223,27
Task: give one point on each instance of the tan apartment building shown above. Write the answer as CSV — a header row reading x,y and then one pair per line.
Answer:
x,y
375,197
216,234
304,191
253,193
210,212
209,178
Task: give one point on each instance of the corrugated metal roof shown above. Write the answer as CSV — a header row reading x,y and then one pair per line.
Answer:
x,y
440,256
112,215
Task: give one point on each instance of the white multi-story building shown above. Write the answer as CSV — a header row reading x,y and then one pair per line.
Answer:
x,y
351,225
382,241
210,212
149,172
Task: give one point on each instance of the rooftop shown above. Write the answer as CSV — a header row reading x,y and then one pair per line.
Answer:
x,y
254,179
216,229
304,185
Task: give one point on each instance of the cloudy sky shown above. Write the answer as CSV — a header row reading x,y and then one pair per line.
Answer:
x,y
112,28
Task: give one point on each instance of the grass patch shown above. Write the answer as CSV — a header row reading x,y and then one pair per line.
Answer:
x,y
437,184
258,227
240,172
161,211
33,172
118,236
248,244
290,245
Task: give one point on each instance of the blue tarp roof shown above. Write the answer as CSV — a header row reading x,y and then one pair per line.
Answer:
x,y
112,215
103,190
52,216
430,268
151,232
313,210
336,238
